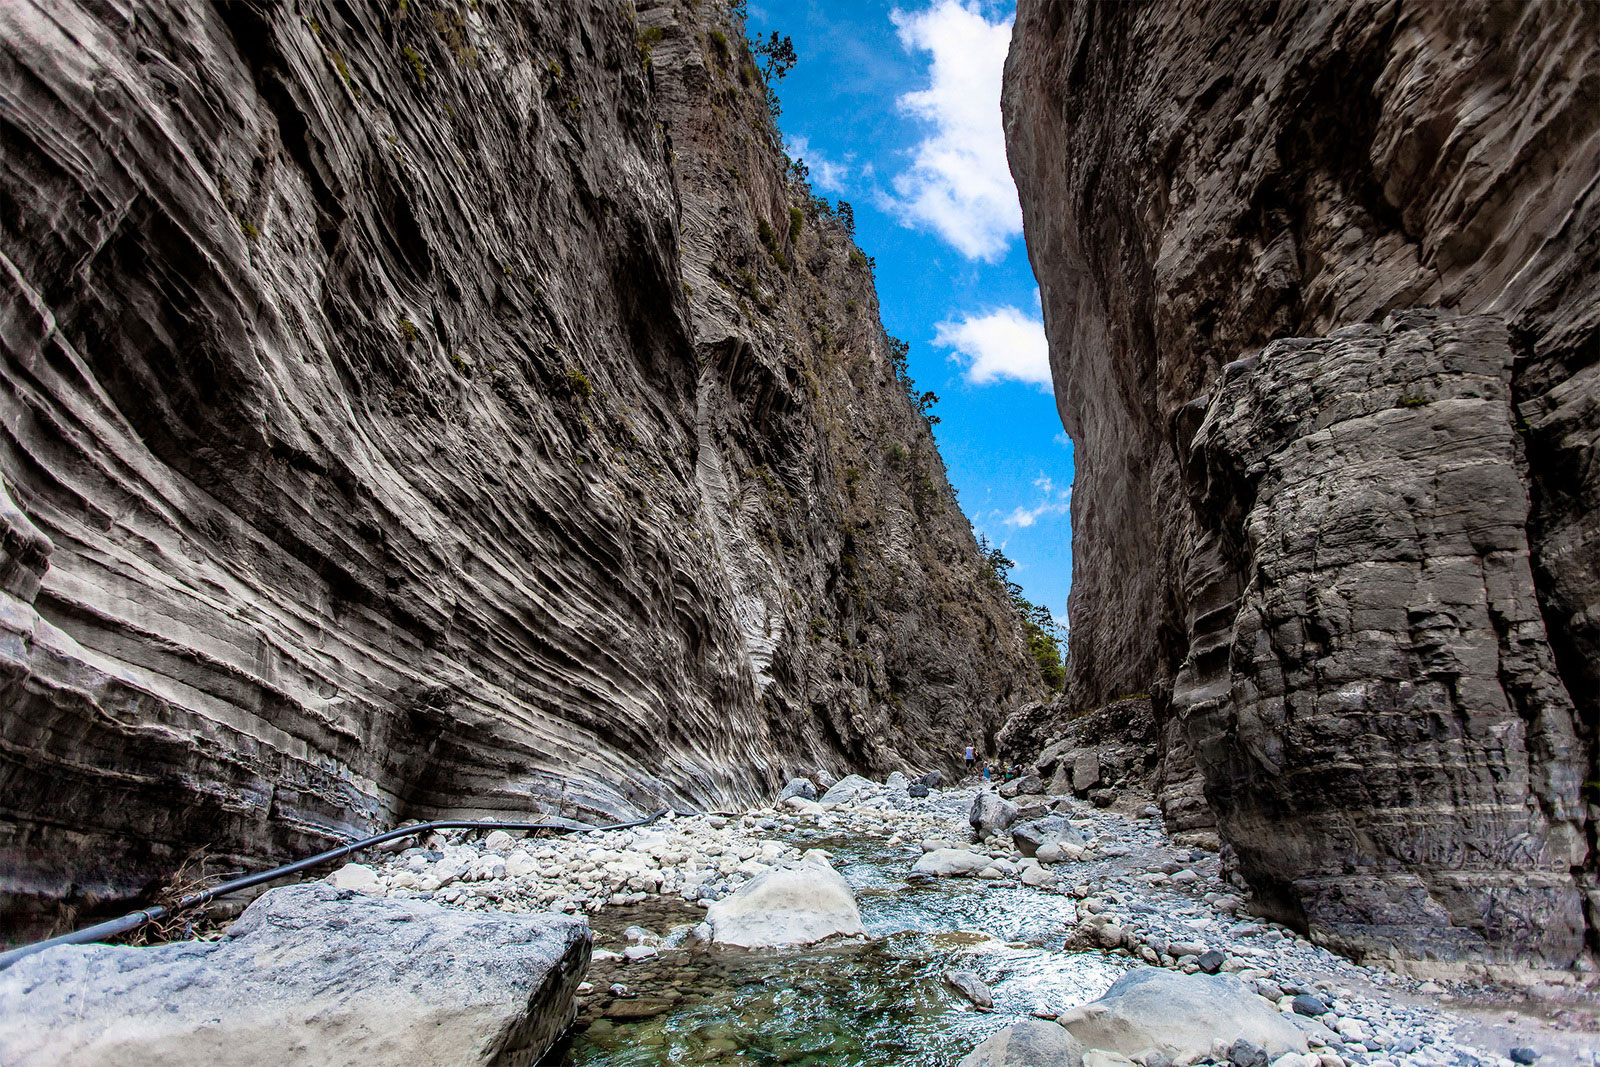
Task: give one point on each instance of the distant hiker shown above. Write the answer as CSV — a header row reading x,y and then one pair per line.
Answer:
x,y
986,772
972,757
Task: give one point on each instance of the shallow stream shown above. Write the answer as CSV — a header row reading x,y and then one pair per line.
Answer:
x,y
844,1003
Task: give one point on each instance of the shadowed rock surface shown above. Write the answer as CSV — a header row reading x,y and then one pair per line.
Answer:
x,y
417,410
1359,572
308,975
1385,678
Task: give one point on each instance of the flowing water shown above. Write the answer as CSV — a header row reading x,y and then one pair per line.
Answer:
x,y
847,1003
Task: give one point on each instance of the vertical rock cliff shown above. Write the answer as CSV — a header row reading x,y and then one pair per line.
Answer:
x,y
1352,548
417,408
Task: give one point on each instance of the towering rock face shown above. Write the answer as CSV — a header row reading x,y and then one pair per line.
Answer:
x,y
419,408
1352,549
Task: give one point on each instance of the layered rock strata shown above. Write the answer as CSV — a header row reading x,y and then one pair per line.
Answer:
x,y
1396,681
414,409
1386,741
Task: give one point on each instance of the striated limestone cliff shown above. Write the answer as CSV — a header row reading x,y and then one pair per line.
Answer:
x,y
418,408
1352,550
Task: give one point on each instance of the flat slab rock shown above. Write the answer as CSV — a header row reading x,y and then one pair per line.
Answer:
x,y
309,975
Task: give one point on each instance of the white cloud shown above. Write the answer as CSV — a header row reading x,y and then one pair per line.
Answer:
x,y
958,183
826,174
1005,343
1051,501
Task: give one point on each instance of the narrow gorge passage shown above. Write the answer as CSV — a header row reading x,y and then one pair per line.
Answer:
x,y
659,993
1123,592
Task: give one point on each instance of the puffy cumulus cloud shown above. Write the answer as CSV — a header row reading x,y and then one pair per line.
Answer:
x,y
1052,500
1005,343
958,183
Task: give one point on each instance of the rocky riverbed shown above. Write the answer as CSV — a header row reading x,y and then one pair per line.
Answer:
x,y
1105,891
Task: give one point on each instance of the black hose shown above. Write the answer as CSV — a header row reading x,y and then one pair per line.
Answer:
x,y
134,920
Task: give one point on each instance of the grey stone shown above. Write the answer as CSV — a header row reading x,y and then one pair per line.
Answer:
x,y
1085,770
1523,1055
1210,961
949,863
308,975
933,780
1244,1053
991,814
1028,1043
1151,1007
1306,1004
849,790
917,790
970,986
803,788
1027,785
1029,837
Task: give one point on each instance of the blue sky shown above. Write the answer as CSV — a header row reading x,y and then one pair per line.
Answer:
x,y
896,108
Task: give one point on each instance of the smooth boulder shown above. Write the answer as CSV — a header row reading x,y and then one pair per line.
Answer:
x,y
950,863
1029,837
848,790
1027,785
1186,1014
1029,1043
969,985
790,904
991,814
803,788
309,975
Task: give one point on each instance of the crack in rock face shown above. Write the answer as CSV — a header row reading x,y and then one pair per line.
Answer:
x,y
1321,288
410,414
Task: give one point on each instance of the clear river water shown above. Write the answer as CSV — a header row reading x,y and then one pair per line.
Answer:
x,y
843,1003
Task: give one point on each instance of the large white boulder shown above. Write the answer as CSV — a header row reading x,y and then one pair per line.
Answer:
x,y
791,904
950,863
309,975
1029,1043
1187,1014
359,878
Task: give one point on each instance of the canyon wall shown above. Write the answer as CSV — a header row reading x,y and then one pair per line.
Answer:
x,y
1321,291
420,409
